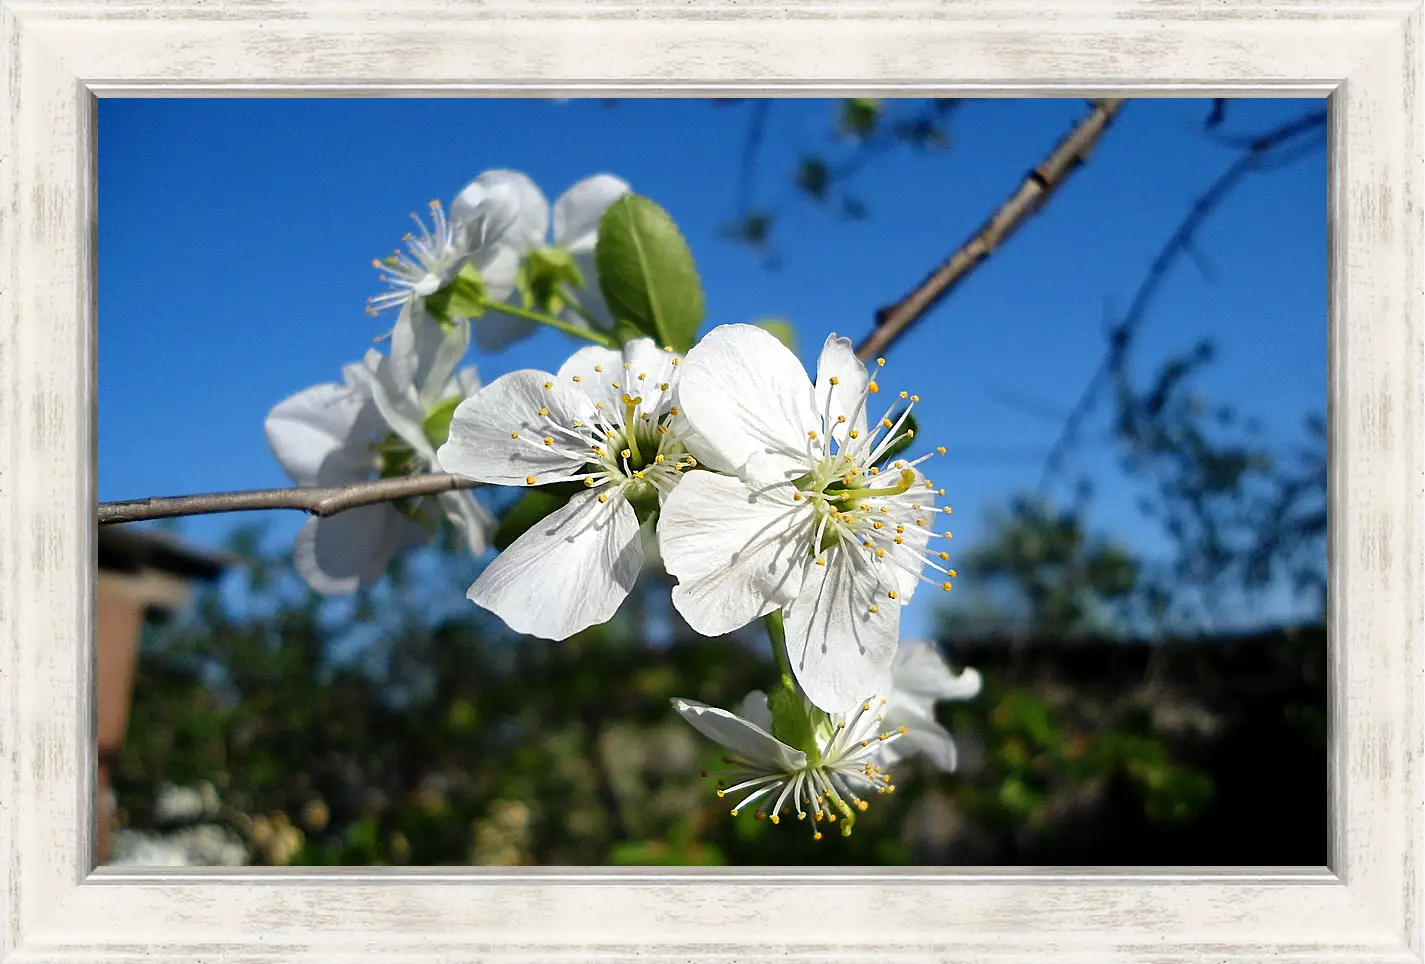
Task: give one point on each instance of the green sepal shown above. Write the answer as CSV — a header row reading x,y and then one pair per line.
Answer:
x,y
463,298
543,277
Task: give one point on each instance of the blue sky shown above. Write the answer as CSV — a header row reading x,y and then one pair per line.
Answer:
x,y
235,241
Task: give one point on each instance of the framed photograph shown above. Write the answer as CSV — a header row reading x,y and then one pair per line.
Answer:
x,y
505,646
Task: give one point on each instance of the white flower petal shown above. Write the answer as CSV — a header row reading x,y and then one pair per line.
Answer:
x,y
317,434
919,670
737,554
470,518
840,651
593,371
923,736
504,207
401,408
579,209
745,395
350,550
570,571
481,446
423,355
591,296
838,360
740,736
650,368
754,710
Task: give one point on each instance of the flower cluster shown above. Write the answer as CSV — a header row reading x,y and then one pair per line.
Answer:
x,y
767,493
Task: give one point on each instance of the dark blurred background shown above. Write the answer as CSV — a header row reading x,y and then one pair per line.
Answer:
x,y
1141,557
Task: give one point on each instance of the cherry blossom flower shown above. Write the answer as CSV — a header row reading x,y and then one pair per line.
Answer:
x,y
576,216
606,419
806,519
368,426
830,780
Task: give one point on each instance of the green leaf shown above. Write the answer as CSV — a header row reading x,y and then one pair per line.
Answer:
x,y
783,330
532,506
646,272
462,298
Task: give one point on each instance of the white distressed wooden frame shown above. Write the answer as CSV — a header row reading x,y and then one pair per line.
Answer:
x,y
60,55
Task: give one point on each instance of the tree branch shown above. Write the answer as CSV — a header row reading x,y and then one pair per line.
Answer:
x,y
1259,153
318,500
894,320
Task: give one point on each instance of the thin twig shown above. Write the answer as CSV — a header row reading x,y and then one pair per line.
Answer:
x,y
1257,156
317,500
894,320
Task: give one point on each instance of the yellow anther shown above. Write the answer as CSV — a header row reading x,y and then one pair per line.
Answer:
x,y
875,609
872,387
816,836
835,380
840,419
910,433
947,510
903,732
880,553
627,453
544,411
887,423
674,411
514,435
529,480
940,492
940,449
775,819
878,524
915,398
676,360
548,385
642,376
821,562
599,406
905,394
589,483
944,556
603,497
548,440
884,736
628,366
920,522
952,573
721,794
662,386
734,813
812,436
658,459
855,434
945,586
866,705
575,378
892,594
638,475
900,529
796,496
880,362
885,510
875,471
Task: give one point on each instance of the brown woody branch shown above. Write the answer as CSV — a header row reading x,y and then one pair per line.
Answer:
x,y
894,320
316,500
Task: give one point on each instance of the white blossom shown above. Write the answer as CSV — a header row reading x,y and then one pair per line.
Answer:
x,y
606,419
805,520
920,678
366,426
576,216
829,783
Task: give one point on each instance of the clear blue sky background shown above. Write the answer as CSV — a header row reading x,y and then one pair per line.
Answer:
x,y
235,240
